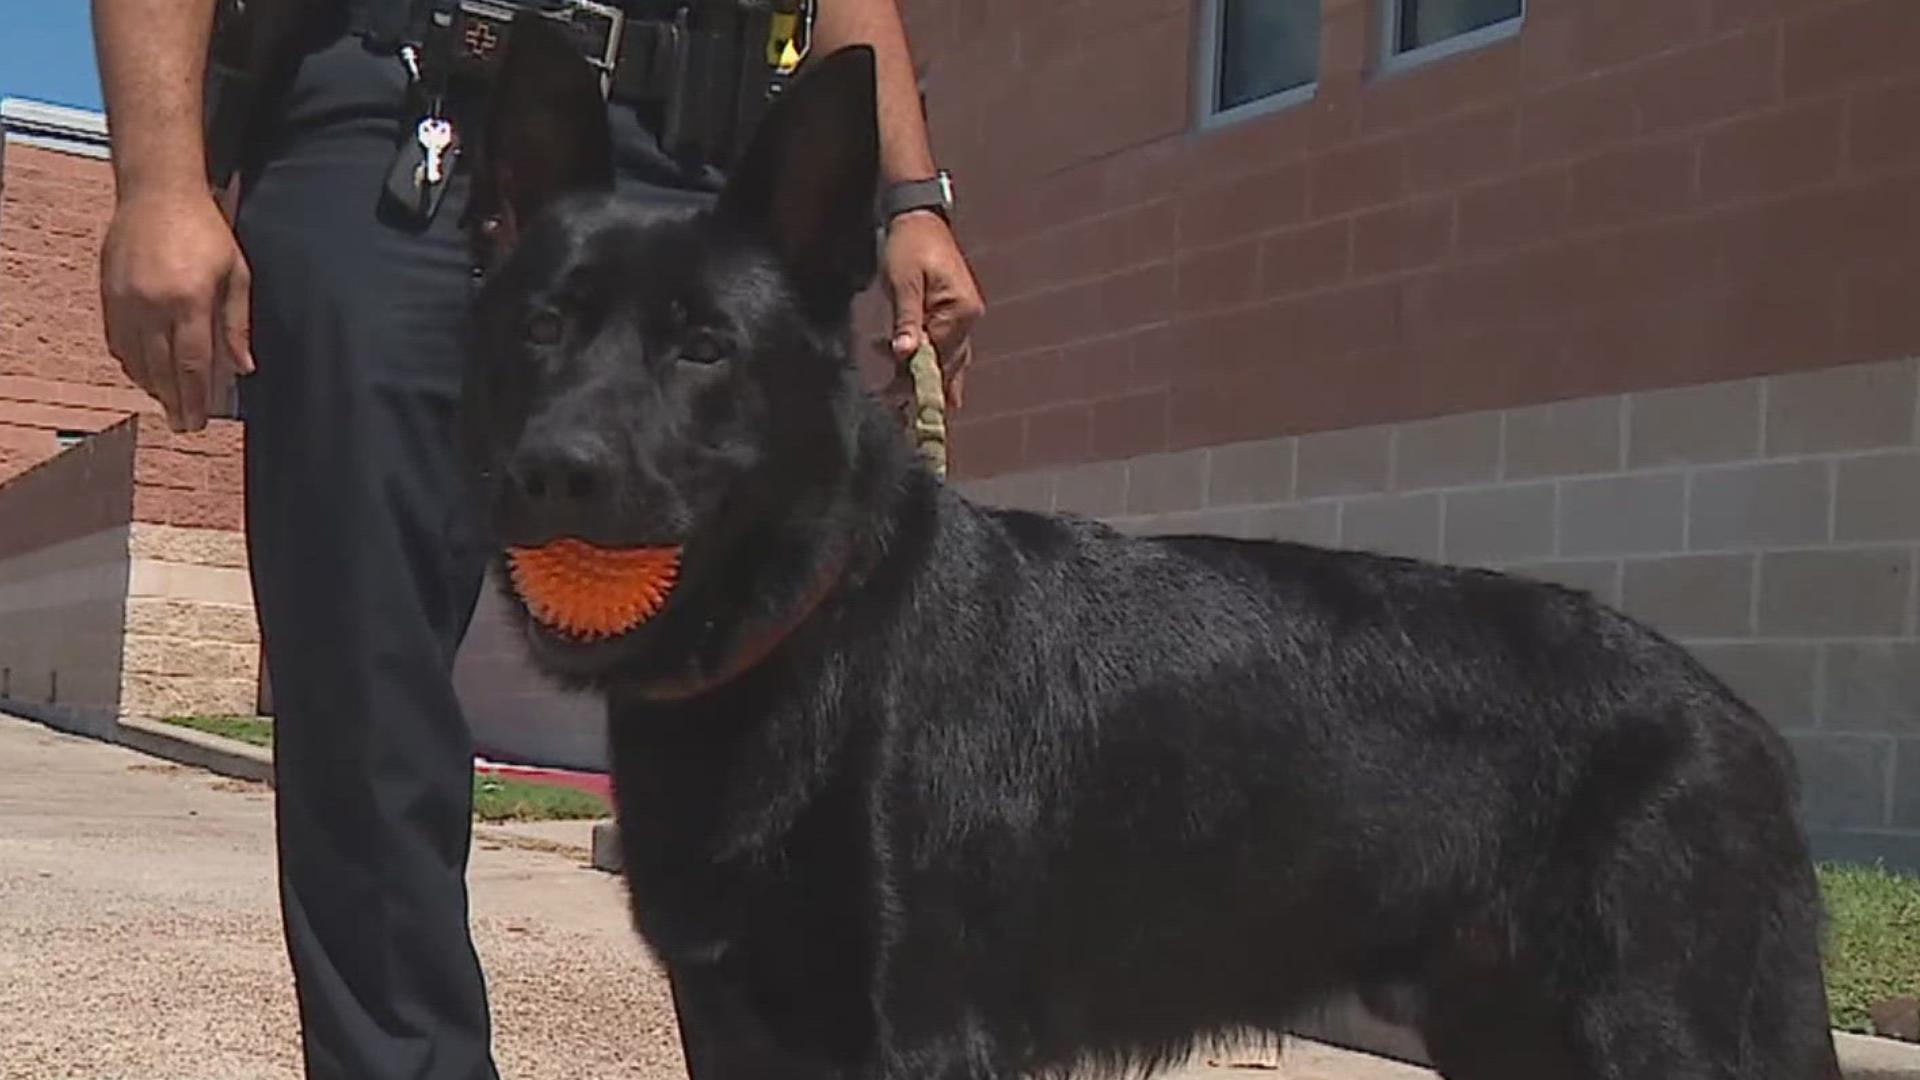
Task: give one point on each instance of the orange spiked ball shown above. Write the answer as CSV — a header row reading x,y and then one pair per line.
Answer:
x,y
590,592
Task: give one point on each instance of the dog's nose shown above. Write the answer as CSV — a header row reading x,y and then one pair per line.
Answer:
x,y
559,476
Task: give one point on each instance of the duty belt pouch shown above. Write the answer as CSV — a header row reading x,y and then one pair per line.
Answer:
x,y
721,80
251,55
232,87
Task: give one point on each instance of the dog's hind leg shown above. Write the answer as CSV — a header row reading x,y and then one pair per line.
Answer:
x,y
1493,1026
1502,1029
1658,980
1671,1031
1660,1027
1702,972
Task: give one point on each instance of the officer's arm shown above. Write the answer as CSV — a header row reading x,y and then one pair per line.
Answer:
x,y
152,56
904,152
934,294
173,282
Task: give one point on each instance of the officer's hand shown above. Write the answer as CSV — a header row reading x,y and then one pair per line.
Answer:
x,y
175,288
933,293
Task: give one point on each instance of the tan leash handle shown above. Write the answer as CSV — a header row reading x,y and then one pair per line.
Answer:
x,y
929,423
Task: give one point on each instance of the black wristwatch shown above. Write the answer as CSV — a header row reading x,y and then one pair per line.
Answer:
x,y
935,194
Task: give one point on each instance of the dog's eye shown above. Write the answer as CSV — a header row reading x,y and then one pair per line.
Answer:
x,y
543,328
704,349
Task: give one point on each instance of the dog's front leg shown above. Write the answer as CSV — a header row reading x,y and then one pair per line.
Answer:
x,y
720,1035
944,1062
939,1040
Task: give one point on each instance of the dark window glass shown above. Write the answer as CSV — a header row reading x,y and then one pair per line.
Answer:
x,y
1429,22
1267,47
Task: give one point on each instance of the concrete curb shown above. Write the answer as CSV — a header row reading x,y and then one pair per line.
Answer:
x,y
568,838
86,723
214,753
170,742
1347,1024
1866,1058
607,853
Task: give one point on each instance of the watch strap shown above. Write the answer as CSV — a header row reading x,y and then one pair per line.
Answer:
x,y
935,194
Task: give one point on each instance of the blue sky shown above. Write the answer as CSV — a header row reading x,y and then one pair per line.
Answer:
x,y
46,52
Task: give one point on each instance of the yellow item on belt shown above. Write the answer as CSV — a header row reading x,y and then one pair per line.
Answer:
x,y
781,53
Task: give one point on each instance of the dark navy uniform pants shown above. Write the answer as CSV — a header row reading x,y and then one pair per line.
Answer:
x,y
366,565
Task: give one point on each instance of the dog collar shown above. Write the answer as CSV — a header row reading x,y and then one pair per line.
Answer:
x,y
759,642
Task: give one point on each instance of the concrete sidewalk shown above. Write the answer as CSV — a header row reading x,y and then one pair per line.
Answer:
x,y
140,936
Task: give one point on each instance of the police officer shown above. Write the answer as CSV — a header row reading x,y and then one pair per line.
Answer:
x,y
343,319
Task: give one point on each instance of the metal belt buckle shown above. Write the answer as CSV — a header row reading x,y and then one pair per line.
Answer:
x,y
601,28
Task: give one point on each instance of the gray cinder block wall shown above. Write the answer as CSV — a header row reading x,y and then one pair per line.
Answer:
x,y
1772,525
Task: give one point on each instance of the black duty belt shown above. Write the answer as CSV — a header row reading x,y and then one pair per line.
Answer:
x,y
642,61
636,58
702,73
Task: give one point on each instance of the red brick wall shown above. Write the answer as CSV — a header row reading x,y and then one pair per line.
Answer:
x,y
1629,194
135,470
193,480
55,373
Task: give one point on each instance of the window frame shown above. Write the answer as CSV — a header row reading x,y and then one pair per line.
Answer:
x,y
1392,60
1207,75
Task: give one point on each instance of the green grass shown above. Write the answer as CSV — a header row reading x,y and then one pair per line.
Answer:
x,y
1873,940
247,729
498,798
495,798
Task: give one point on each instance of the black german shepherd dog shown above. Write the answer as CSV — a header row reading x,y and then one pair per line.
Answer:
x,y
914,788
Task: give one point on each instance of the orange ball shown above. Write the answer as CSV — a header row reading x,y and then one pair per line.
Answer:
x,y
590,592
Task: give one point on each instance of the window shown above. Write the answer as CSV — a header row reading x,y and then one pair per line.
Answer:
x,y
1257,55
70,439
1419,29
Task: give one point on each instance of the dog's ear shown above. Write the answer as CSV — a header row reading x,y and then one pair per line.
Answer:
x,y
806,183
547,134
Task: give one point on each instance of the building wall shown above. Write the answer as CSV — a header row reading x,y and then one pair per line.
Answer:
x,y
147,608
192,643
1626,195
168,627
1772,525
1621,301
123,579
63,580
55,374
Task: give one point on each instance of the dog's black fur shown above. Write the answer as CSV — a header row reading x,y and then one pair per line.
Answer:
x,y
1022,794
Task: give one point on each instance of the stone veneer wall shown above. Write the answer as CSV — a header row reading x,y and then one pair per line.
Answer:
x,y
192,641
192,644
1771,524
